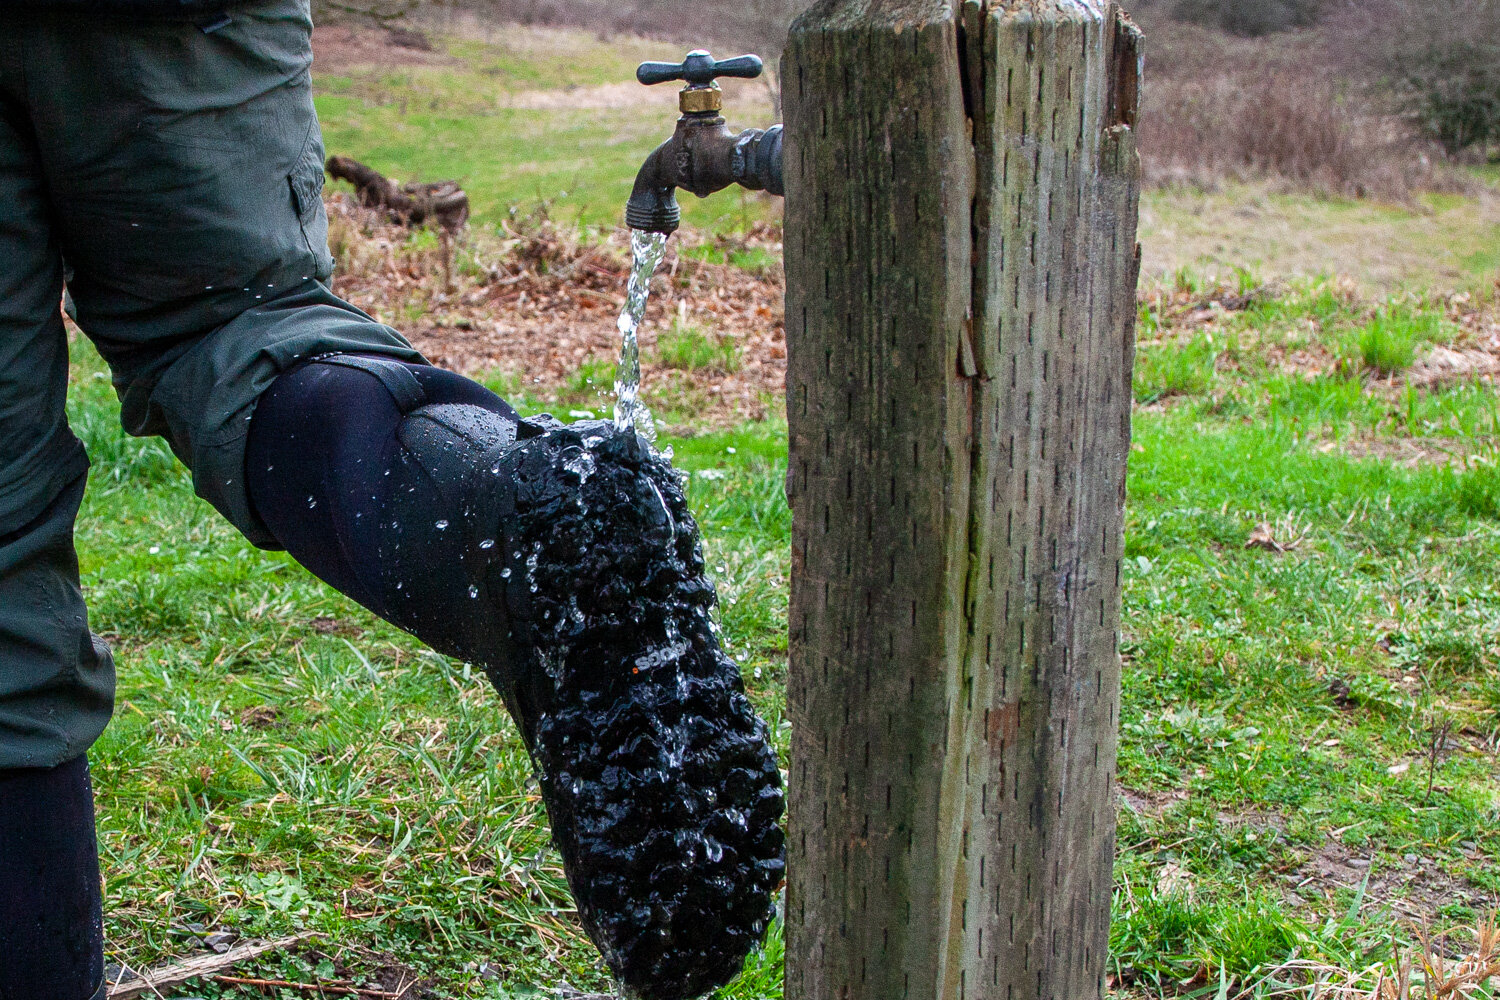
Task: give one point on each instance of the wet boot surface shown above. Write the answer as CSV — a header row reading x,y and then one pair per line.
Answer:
x,y
661,784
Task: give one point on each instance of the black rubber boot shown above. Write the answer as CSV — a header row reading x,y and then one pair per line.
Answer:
x,y
565,561
51,925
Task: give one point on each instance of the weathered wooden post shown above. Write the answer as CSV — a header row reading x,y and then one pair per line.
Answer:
x,y
961,267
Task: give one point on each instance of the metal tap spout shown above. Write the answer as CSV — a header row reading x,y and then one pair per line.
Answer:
x,y
703,155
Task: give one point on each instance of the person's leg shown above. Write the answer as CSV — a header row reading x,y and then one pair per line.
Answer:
x,y
322,449
185,169
56,683
564,560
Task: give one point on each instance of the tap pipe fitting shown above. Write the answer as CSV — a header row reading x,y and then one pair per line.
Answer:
x,y
703,155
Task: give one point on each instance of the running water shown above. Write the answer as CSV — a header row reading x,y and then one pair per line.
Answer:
x,y
646,250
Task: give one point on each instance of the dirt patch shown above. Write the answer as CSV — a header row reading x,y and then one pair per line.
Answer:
x,y
1149,803
324,625
1413,886
1476,355
339,48
260,717
1408,453
362,968
539,305
1472,355
394,978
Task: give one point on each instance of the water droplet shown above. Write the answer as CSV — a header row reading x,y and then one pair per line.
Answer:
x,y
442,525
473,591
505,573
487,544
311,502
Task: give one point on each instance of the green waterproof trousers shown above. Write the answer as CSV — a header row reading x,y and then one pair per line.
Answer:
x,y
171,168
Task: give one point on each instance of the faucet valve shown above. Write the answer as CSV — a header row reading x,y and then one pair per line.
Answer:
x,y
702,156
699,71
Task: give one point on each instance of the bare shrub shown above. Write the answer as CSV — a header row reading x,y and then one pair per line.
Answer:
x,y
378,11
758,25
1249,17
1277,126
1439,59
1216,108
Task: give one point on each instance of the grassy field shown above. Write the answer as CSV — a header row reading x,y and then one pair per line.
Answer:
x,y
282,760
1310,735
546,117
1310,756
556,118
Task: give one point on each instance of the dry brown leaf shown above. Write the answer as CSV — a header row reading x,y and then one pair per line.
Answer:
x,y
1262,538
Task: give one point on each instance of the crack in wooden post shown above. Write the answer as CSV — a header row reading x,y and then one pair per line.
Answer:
x,y
962,189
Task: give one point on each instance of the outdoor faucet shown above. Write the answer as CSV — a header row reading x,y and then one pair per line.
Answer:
x,y
702,156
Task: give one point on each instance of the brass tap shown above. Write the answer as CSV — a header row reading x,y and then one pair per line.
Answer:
x,y
700,100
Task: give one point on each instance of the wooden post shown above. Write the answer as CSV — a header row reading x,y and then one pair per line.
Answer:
x,y
961,266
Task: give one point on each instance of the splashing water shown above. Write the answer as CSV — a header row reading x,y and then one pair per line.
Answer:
x,y
646,251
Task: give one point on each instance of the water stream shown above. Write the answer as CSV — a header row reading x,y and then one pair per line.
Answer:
x,y
646,251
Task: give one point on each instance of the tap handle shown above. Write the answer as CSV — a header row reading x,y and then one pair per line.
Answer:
x,y
699,69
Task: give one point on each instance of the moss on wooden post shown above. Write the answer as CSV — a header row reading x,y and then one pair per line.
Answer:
x,y
961,266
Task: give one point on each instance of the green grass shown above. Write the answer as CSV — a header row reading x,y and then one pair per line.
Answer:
x,y
690,349
461,121
755,259
1164,370
280,760
1229,699
1388,342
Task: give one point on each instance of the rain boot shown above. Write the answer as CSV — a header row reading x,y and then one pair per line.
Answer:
x,y
565,561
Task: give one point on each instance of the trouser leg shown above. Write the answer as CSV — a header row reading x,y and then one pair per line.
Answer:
x,y
183,170
56,678
50,921
56,687
56,684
